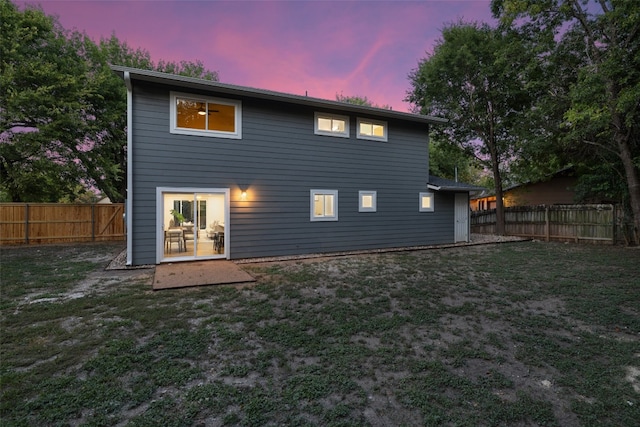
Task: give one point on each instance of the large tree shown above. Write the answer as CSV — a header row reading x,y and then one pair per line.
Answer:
x,y
103,156
43,80
475,77
63,118
600,104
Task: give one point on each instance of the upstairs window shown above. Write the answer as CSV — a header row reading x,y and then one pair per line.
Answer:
x,y
324,205
331,125
195,115
372,129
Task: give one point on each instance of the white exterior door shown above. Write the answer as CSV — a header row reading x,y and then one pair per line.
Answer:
x,y
461,233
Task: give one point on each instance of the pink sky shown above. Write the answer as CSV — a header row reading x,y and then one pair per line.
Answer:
x,y
324,48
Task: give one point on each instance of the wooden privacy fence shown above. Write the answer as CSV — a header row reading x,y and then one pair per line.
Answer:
x,y
34,223
589,223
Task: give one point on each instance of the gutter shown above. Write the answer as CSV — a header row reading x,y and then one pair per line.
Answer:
x,y
129,195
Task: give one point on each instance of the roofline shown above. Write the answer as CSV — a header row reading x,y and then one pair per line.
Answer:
x,y
201,84
455,188
437,183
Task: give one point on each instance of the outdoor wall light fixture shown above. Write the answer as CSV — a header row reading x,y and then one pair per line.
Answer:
x,y
243,195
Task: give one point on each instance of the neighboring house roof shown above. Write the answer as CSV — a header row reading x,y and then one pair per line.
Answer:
x,y
484,193
441,184
491,193
200,84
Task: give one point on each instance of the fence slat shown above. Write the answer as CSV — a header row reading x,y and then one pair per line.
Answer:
x,y
35,223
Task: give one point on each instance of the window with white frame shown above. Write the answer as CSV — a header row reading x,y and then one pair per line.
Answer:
x,y
372,129
367,201
426,202
331,125
324,205
198,115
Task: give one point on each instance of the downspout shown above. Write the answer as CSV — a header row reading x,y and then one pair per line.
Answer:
x,y
129,200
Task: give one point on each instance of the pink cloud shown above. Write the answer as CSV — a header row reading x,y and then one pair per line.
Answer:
x,y
364,48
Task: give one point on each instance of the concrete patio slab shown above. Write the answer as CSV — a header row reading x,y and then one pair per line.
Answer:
x,y
198,273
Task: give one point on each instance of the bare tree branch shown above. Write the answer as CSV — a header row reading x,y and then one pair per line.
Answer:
x,y
604,147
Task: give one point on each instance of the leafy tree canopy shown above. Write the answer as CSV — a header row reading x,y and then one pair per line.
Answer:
x,y
589,52
452,162
43,83
475,78
64,111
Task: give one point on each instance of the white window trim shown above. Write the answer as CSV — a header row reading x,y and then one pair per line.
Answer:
x,y
433,201
372,137
361,208
317,131
210,133
333,217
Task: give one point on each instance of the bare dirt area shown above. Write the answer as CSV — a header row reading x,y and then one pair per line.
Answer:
x,y
108,272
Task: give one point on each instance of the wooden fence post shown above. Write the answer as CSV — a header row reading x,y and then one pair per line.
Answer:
x,y
26,223
613,224
547,230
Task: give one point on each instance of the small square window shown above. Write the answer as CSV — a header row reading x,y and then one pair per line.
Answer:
x,y
426,202
331,125
324,205
367,201
372,129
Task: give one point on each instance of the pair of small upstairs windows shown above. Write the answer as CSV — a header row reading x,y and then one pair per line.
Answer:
x,y
337,125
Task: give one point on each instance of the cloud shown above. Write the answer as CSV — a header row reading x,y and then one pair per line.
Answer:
x,y
364,48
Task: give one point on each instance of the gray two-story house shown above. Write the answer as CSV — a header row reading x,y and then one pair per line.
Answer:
x,y
224,171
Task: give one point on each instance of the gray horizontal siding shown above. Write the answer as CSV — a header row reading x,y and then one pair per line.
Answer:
x,y
280,159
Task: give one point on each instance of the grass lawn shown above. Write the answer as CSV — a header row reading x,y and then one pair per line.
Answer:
x,y
514,334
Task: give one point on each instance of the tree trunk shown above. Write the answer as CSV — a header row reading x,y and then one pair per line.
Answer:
x,y
633,183
621,139
495,166
500,226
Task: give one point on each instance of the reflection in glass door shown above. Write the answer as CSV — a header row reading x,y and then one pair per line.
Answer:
x,y
193,224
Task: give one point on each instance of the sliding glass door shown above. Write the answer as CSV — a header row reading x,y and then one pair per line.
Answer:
x,y
191,224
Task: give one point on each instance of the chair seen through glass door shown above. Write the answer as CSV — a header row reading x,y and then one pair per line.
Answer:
x,y
193,225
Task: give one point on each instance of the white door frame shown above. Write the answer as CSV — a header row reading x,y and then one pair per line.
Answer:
x,y
160,221
461,205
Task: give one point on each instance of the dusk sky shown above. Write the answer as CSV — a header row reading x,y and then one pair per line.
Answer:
x,y
324,48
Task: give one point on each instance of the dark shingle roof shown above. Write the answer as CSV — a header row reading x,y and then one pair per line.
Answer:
x,y
442,184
